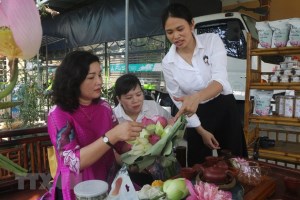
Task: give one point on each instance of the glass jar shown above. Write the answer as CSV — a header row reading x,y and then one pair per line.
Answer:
x,y
288,106
297,107
279,72
274,79
250,173
284,78
292,64
287,72
279,105
283,65
295,79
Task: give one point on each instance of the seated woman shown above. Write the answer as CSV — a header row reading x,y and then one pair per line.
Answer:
x,y
133,107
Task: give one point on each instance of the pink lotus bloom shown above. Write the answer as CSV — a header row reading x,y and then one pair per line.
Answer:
x,y
240,161
153,138
163,121
146,121
206,191
20,29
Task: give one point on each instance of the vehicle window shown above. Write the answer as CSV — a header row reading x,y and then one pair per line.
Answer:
x,y
235,48
250,23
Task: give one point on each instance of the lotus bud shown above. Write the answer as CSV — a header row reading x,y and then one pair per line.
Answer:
x,y
20,29
162,120
175,189
153,138
146,121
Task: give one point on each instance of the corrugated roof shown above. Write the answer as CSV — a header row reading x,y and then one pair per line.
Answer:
x,y
47,40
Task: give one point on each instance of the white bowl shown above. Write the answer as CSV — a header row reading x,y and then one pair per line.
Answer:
x,y
91,190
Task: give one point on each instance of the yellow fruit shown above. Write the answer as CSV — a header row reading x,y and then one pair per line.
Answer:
x,y
157,183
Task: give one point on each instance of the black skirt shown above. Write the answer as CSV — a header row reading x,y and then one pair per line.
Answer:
x,y
219,116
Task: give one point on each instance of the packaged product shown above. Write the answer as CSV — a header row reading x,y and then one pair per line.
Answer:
x,y
264,34
294,36
262,102
281,30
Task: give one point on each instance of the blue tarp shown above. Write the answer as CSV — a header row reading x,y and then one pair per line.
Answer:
x,y
104,20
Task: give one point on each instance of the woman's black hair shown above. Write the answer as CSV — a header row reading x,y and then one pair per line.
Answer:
x,y
176,10
125,83
68,78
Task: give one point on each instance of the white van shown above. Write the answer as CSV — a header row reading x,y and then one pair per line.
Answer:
x,y
233,27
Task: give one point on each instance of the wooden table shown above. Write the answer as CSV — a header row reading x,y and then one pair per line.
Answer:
x,y
262,191
272,187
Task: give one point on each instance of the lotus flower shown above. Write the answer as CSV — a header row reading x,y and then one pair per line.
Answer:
x,y
163,121
20,37
153,138
143,154
146,121
20,29
175,188
206,191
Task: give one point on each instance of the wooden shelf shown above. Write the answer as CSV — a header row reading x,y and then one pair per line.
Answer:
x,y
275,51
286,151
275,86
277,120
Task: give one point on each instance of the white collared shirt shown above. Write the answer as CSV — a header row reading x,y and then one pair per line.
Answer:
x,y
184,79
150,108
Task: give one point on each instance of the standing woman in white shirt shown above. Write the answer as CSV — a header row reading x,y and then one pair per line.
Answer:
x,y
196,79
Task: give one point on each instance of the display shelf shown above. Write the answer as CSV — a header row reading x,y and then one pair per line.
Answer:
x,y
277,120
275,86
284,150
275,51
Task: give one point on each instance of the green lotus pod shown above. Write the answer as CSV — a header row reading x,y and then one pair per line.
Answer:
x,y
9,165
4,105
12,83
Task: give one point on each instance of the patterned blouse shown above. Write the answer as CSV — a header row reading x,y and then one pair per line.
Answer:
x,y
69,132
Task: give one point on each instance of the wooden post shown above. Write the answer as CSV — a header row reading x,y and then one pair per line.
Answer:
x,y
267,4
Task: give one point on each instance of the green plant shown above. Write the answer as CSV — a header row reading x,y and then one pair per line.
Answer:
x,y
32,92
6,117
109,94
